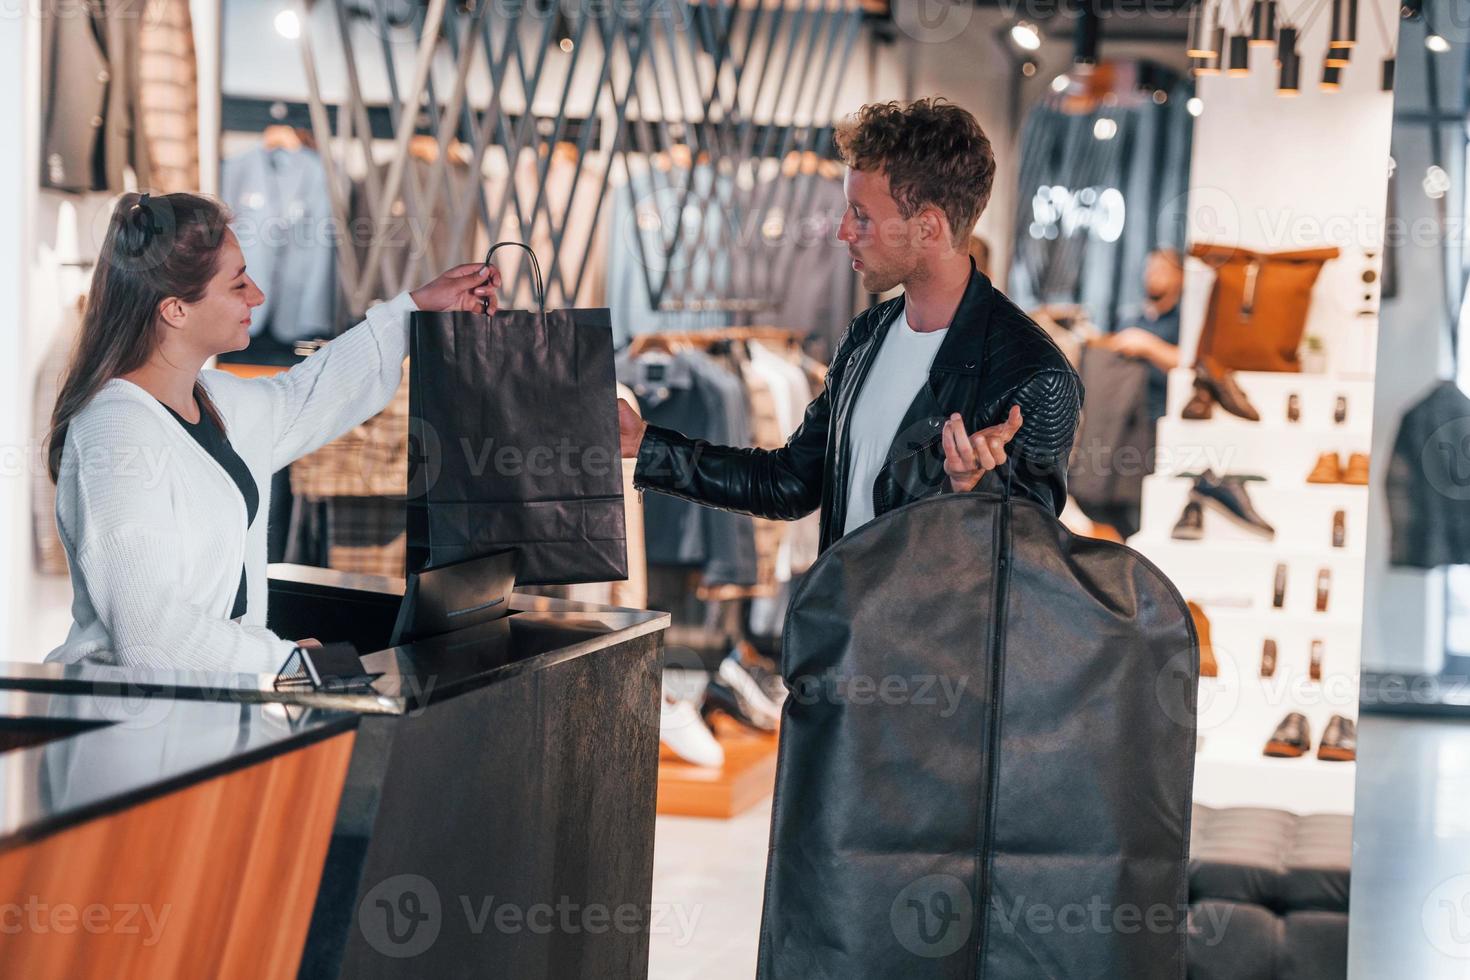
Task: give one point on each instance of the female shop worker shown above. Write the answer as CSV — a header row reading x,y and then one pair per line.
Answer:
x,y
163,470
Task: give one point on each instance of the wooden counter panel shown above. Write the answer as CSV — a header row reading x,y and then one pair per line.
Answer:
x,y
214,880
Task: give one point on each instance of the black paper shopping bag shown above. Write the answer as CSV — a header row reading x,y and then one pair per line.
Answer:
x,y
513,441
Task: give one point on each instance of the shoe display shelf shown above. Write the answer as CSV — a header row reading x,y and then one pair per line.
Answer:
x,y
1302,514
1231,572
747,778
1233,774
1281,451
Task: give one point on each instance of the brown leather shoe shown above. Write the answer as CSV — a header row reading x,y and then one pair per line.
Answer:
x,y
1191,523
1340,741
1220,382
1268,658
1278,587
1327,470
1201,406
1208,665
1314,670
1292,738
1357,470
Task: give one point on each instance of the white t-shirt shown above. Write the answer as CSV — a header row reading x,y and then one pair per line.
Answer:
x,y
897,374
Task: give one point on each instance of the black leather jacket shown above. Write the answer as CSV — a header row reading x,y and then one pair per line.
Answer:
x,y
993,357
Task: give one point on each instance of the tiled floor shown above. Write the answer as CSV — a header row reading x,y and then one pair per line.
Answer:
x,y
708,878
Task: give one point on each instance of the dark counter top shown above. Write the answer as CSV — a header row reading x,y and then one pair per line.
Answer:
x,y
540,632
67,758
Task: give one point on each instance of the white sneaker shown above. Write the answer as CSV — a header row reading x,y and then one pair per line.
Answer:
x,y
738,679
684,732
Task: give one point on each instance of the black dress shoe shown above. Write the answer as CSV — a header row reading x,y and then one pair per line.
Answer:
x,y
1227,495
1292,738
719,696
1191,524
1340,741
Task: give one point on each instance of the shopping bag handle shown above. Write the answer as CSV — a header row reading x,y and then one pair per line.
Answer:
x,y
535,270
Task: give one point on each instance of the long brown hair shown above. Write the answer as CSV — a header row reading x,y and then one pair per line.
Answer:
x,y
156,247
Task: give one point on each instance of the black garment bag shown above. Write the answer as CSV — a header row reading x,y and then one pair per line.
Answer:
x,y
513,441
987,755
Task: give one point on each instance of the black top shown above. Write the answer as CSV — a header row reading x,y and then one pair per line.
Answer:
x,y
212,438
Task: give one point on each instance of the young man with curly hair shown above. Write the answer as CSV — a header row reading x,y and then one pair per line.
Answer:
x,y
947,388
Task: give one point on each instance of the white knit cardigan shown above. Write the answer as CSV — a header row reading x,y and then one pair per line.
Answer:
x,y
154,528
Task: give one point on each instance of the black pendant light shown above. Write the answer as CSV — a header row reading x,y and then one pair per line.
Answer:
x,y
1386,82
1339,55
1263,23
1290,83
1331,78
1199,31
1344,23
1240,55
1213,64
1285,41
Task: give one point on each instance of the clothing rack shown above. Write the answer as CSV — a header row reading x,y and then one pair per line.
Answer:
x,y
671,340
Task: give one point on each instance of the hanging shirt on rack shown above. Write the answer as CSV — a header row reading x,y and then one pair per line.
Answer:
x,y
691,391
902,368
283,218
637,217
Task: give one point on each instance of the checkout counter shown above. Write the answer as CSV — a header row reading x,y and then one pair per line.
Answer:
x,y
486,809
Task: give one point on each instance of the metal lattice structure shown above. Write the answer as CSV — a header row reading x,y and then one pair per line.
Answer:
x,y
713,113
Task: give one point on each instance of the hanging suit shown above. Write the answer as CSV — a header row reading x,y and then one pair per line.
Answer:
x,y
90,128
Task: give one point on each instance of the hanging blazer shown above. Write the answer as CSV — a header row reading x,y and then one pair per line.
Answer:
x,y
993,357
1428,481
283,217
90,127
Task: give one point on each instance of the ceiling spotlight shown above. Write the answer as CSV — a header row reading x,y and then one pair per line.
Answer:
x,y
562,30
1026,36
1088,35
1028,68
1061,83
1436,43
1104,129
288,25
1196,106
1160,96
1436,182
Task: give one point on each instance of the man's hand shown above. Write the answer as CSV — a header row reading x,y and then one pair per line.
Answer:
x,y
969,457
468,288
630,430
1138,342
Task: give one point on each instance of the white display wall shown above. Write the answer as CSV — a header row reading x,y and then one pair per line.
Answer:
x,y
1273,173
